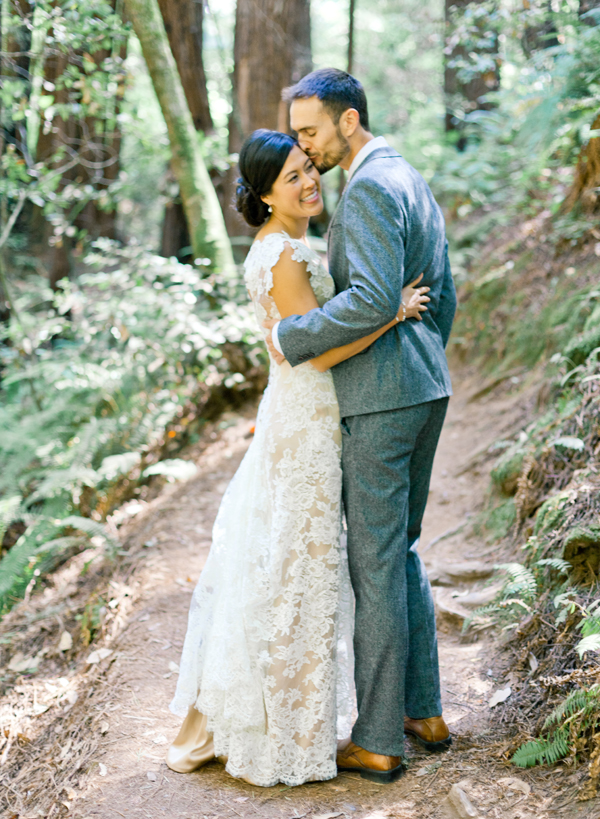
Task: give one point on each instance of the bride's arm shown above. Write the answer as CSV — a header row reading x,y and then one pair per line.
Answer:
x,y
293,295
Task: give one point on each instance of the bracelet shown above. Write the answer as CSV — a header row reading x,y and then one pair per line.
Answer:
x,y
403,313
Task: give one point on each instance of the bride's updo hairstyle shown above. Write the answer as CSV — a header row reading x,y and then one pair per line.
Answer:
x,y
262,157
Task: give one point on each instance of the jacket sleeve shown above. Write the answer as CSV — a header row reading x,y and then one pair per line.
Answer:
x,y
447,303
374,227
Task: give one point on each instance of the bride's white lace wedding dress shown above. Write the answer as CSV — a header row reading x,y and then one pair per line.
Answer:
x,y
268,654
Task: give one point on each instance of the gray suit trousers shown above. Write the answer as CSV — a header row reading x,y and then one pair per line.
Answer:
x,y
387,459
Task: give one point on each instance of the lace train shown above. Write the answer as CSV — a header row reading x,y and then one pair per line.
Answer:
x,y
268,651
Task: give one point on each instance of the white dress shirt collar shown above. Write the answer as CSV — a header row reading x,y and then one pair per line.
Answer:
x,y
372,145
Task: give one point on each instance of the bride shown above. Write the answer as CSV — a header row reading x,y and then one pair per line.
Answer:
x,y
265,680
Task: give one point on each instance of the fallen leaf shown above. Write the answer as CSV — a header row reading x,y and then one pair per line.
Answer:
x,y
104,726
327,815
173,667
99,655
500,696
103,769
533,663
160,740
71,697
515,784
21,663
461,804
151,776
242,799
66,641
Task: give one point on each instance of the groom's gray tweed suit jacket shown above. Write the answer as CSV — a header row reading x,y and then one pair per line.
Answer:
x,y
386,230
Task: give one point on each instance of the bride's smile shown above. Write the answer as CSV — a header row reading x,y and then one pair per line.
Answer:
x,y
296,193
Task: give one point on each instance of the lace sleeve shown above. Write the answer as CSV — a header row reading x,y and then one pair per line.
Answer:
x,y
264,255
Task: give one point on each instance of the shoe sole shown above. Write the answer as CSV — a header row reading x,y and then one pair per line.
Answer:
x,y
384,777
433,747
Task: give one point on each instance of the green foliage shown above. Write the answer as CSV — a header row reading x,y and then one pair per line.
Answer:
x,y
542,751
87,38
570,720
93,375
507,470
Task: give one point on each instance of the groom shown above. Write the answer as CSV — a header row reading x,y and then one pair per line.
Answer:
x,y
386,231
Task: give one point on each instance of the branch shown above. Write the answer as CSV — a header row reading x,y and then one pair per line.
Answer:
x,y
13,218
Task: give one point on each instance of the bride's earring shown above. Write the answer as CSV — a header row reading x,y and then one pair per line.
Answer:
x,y
270,209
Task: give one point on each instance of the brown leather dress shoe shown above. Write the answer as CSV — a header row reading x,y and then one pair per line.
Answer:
x,y
376,767
432,733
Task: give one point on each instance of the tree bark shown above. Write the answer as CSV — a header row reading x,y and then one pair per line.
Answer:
x,y
588,5
208,235
464,97
585,190
541,36
183,23
91,142
272,50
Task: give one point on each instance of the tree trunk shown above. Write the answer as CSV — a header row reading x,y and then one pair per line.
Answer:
x,y
91,142
15,41
100,155
208,235
465,96
183,23
272,50
585,190
588,5
544,34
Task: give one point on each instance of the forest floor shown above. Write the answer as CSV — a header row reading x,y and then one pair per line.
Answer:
x,y
167,544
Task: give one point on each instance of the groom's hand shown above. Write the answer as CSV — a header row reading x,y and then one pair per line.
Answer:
x,y
275,354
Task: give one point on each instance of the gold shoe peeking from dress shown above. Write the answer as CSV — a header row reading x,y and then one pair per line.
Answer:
x,y
193,746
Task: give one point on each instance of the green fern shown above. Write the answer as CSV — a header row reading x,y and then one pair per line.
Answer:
x,y
582,701
9,512
555,563
522,581
542,751
589,643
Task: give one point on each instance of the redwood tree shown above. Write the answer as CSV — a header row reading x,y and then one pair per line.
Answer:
x,y
184,25
272,50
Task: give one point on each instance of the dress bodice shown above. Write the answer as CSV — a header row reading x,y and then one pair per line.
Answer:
x,y
258,272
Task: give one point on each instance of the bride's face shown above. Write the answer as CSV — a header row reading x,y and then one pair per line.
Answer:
x,y
296,193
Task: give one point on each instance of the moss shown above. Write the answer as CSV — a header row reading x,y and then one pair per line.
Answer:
x,y
505,475
582,545
497,522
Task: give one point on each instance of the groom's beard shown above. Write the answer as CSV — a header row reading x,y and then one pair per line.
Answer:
x,y
334,155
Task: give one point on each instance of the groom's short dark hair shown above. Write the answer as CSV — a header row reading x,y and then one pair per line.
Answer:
x,y
337,90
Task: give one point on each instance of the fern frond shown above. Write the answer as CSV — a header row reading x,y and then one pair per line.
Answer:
x,y
9,512
555,563
589,643
522,580
582,699
89,526
540,751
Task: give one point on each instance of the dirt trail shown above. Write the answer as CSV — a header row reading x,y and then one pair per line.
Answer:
x,y
132,779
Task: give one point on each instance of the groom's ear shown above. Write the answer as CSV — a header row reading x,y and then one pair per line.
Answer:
x,y
349,122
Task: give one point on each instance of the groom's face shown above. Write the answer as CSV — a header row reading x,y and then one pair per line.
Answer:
x,y
318,135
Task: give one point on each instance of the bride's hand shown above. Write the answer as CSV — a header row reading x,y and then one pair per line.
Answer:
x,y
414,301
